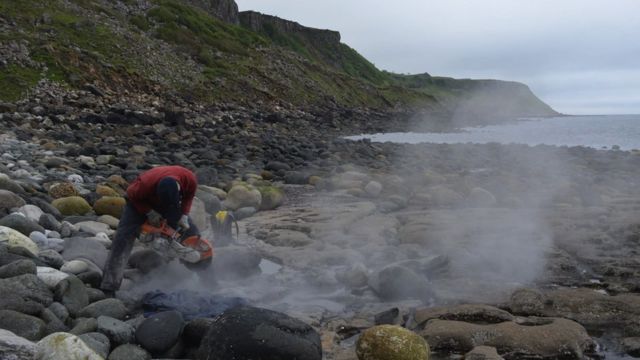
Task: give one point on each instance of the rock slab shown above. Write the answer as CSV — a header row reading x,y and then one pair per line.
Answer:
x,y
259,334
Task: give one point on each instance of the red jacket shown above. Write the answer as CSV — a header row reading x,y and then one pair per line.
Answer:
x,y
142,192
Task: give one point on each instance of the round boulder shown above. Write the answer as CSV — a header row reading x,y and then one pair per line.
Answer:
x,y
108,307
62,190
17,268
527,302
211,202
104,190
118,332
110,205
272,197
259,334
74,267
373,189
243,196
72,293
98,342
32,212
396,282
72,205
7,184
21,223
64,346
160,332
390,342
129,352
26,326
16,239
50,276
10,200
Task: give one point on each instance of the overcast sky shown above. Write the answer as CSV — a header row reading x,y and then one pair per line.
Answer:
x,y
579,56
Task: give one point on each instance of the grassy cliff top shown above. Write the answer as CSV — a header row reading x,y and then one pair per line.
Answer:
x,y
169,47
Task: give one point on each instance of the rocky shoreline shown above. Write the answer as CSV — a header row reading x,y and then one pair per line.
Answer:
x,y
485,250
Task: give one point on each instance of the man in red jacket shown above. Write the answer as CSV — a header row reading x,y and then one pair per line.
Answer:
x,y
162,192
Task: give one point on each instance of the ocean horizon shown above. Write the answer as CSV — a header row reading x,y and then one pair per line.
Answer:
x,y
606,132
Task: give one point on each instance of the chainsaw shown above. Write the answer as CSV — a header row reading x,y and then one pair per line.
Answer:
x,y
168,242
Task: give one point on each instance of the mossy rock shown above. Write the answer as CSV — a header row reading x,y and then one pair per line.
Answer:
x,y
62,190
219,193
109,205
104,190
72,205
314,180
118,180
243,196
389,342
272,197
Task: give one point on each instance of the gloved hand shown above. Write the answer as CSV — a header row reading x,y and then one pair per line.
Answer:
x,y
184,223
154,218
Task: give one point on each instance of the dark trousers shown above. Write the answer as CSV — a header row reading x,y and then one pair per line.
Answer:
x,y
128,230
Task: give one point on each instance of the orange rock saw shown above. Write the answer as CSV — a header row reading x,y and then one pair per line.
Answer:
x,y
167,241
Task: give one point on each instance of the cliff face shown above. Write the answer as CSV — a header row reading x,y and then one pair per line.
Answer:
x,y
317,45
225,10
271,24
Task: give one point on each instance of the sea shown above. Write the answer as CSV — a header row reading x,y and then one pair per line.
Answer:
x,y
603,132
618,132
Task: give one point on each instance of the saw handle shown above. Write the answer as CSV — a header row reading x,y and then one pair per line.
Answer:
x,y
164,230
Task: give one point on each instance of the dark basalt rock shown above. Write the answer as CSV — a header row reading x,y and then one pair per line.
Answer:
x,y
26,326
259,334
21,224
160,332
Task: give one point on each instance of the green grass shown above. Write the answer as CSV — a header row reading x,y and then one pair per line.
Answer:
x,y
197,32
140,22
238,64
16,80
74,49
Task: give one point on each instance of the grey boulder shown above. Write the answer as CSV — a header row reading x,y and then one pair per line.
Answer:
x,y
129,352
26,326
14,347
17,268
118,332
98,342
72,293
108,307
160,332
252,333
21,223
25,293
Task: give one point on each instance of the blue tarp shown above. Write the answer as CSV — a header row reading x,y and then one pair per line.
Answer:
x,y
191,304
